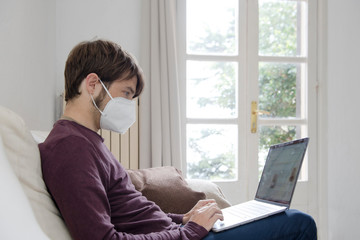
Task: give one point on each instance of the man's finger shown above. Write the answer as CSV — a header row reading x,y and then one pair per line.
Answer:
x,y
211,210
217,216
206,201
207,206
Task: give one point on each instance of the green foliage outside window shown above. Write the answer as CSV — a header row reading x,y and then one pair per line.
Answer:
x,y
219,167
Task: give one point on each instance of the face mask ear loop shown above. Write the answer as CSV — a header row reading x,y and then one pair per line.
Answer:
x,y
105,88
96,105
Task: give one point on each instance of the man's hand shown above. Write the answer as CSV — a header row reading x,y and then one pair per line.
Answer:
x,y
205,213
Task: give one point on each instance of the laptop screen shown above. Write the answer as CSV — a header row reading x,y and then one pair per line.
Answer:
x,y
281,172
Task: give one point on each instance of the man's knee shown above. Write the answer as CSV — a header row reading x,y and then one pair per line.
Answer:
x,y
304,221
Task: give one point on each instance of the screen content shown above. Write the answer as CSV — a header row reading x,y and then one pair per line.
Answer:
x,y
280,173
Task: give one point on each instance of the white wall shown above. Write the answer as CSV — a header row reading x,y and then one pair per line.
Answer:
x,y
27,60
36,37
76,21
343,86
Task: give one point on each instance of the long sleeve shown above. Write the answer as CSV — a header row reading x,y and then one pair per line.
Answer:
x,y
97,200
176,218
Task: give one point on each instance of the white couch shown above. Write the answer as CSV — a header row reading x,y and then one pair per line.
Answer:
x,y
27,210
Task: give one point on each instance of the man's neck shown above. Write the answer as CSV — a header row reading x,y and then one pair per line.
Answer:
x,y
81,115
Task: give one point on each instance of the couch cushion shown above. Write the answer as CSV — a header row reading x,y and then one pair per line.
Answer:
x,y
16,212
24,157
166,187
39,136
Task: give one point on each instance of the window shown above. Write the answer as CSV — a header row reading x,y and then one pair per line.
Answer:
x,y
282,76
211,89
234,55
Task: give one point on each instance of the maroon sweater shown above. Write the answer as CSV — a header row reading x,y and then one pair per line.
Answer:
x,y
94,192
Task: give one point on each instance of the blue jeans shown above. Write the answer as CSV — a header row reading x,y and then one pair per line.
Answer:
x,y
291,224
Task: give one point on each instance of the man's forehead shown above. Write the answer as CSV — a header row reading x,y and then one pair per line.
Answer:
x,y
126,83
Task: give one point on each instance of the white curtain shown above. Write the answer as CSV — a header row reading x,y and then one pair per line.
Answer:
x,y
160,133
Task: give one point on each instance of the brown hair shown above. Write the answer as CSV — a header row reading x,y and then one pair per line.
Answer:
x,y
107,59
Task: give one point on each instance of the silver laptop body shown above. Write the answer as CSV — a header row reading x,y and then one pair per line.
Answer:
x,y
276,186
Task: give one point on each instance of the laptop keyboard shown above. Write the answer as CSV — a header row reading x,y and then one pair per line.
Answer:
x,y
251,209
244,213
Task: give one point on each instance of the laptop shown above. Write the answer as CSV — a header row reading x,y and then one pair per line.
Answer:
x,y
276,186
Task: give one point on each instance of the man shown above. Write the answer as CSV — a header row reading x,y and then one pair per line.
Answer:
x,y
93,191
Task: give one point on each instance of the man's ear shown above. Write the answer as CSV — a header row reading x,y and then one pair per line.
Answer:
x,y
92,83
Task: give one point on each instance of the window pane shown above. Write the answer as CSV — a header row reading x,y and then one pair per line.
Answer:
x,y
280,89
211,27
211,89
271,135
280,28
211,151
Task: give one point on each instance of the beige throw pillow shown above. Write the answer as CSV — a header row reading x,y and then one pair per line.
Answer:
x,y
17,220
211,190
167,188
23,154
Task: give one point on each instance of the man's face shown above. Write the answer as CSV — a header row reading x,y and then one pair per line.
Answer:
x,y
120,88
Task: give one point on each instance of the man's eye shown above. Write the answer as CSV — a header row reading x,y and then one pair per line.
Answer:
x,y
128,95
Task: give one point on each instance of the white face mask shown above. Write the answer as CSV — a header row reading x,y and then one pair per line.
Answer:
x,y
118,115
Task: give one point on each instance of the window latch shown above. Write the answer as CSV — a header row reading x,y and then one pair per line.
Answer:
x,y
254,115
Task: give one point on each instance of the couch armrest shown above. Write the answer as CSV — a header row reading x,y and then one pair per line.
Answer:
x,y
211,190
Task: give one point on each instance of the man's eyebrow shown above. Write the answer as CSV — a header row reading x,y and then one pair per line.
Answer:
x,y
131,90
